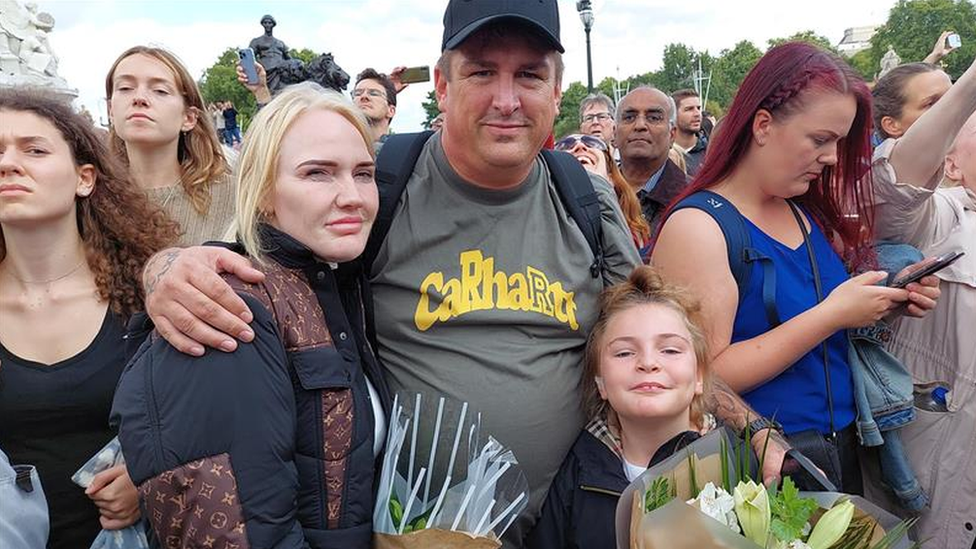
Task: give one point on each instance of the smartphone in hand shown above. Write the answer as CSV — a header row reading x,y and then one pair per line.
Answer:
x,y
940,263
247,62
413,75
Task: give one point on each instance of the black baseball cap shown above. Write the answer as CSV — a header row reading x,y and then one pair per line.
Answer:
x,y
464,17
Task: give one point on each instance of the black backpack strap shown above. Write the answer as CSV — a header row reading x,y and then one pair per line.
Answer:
x,y
581,201
394,166
739,245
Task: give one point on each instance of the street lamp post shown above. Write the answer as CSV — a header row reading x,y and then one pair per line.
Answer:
x,y
586,16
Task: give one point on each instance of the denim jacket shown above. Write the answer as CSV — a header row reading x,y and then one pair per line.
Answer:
x,y
883,392
882,386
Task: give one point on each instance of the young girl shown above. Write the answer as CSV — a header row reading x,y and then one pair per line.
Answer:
x,y
161,131
74,236
645,375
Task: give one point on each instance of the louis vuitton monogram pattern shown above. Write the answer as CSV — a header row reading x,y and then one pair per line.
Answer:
x,y
337,434
292,303
196,505
302,325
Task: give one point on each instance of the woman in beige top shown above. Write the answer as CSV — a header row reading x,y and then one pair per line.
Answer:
x,y
161,130
913,208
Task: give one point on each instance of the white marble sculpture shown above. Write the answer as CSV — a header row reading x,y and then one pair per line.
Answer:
x,y
26,58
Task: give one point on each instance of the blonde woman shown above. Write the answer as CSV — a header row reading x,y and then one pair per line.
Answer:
x,y
162,132
286,428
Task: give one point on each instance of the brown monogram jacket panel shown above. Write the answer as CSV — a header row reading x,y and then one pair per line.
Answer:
x,y
326,387
287,416
196,505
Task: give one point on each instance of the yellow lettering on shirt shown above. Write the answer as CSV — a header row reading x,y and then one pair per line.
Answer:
x,y
480,288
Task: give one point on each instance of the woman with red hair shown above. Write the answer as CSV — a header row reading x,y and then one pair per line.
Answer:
x,y
792,158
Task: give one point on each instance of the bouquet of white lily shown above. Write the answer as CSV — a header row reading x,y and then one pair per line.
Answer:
x,y
668,507
442,484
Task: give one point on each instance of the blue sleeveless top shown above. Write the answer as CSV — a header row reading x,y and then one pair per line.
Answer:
x,y
797,397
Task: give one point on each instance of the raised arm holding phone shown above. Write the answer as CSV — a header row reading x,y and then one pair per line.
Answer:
x,y
925,190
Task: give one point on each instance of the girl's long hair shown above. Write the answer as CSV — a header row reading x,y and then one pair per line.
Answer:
x,y
840,198
202,162
119,227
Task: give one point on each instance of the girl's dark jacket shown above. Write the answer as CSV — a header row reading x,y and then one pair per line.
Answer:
x,y
581,506
271,445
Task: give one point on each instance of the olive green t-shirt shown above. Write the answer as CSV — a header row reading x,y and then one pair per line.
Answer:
x,y
486,297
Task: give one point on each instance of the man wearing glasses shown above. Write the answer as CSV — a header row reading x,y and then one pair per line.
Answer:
x,y
596,117
375,95
644,133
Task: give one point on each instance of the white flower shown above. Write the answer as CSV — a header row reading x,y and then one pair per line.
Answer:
x,y
795,544
718,504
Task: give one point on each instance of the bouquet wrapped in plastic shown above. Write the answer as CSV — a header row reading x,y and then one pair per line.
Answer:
x,y
130,537
443,484
704,497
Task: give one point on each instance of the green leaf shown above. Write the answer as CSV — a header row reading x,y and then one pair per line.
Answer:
x,y
396,511
724,456
658,495
790,511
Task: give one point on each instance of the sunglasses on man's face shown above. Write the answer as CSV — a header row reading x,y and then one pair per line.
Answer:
x,y
567,143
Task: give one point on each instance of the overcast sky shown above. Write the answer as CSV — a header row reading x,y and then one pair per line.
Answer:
x,y
628,36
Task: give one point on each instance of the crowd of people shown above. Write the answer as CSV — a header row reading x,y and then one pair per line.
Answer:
x,y
240,312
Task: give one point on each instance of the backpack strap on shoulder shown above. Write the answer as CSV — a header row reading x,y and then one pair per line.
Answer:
x,y
394,166
739,245
581,201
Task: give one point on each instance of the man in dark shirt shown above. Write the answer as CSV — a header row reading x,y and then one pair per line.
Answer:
x,y
690,138
644,134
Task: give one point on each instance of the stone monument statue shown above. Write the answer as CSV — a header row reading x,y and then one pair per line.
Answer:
x,y
889,61
282,70
26,58
324,71
272,54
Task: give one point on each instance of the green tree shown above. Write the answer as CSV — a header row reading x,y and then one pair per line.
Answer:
x,y
430,108
679,64
729,70
913,26
219,83
567,121
304,54
805,36
863,63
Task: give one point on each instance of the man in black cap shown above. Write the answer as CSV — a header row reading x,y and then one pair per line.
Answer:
x,y
485,286
482,288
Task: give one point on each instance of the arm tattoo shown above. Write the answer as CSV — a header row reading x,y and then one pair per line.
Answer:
x,y
731,410
157,267
728,407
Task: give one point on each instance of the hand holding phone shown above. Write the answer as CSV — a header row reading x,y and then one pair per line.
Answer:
x,y
413,75
935,266
247,63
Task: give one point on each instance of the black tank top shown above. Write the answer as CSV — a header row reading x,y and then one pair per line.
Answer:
x,y
55,417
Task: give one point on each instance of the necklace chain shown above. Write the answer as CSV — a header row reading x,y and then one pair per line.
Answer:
x,y
170,194
55,279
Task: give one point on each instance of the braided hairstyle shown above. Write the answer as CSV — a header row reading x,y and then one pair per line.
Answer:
x,y
779,83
